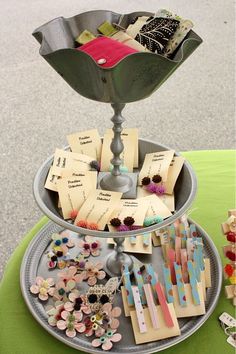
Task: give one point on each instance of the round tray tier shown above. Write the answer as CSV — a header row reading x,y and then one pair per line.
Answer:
x,y
34,263
185,191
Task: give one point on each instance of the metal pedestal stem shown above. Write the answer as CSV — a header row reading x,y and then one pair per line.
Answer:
x,y
116,260
115,181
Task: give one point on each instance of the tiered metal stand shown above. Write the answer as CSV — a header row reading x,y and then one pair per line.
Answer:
x,y
134,78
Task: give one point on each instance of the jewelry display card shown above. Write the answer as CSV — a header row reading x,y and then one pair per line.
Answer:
x,y
167,199
139,246
76,186
71,160
156,163
98,207
131,134
173,173
87,142
127,156
53,175
156,206
136,208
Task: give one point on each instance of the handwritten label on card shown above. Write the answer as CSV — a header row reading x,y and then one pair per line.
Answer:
x,y
87,142
137,208
131,134
98,207
76,187
156,163
70,160
173,173
127,156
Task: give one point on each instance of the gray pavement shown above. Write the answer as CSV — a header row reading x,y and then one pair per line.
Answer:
x,y
193,110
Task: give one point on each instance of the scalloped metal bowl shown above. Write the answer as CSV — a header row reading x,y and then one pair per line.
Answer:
x,y
133,78
185,190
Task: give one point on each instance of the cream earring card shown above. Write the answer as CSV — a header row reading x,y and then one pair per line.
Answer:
x,y
87,142
156,163
98,207
173,173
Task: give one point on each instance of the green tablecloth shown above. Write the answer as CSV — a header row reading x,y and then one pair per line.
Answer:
x,y
21,334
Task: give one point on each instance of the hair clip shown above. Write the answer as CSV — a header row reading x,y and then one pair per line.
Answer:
x,y
139,309
164,307
43,288
150,220
153,186
139,281
127,284
90,246
97,296
106,341
133,240
180,285
71,322
95,165
151,305
193,283
93,272
168,283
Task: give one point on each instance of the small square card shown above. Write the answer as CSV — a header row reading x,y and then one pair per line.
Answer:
x,y
98,207
156,163
73,191
127,155
131,134
87,142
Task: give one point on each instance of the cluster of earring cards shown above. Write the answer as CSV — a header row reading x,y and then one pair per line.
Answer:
x,y
129,154
144,301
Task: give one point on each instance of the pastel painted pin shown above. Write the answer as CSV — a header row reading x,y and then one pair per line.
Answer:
x,y
139,282
193,283
139,309
180,285
146,239
128,286
151,305
164,306
168,283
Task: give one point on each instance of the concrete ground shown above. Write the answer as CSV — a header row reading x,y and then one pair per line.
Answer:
x,y
193,110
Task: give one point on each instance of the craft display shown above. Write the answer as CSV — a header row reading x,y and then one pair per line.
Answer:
x,y
118,186
229,230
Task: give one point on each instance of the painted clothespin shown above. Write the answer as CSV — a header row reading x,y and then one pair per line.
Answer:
x,y
171,232
184,221
196,265
139,282
152,277
177,249
184,259
168,283
193,283
164,306
128,285
198,245
146,239
180,285
151,305
183,234
170,260
190,248
139,309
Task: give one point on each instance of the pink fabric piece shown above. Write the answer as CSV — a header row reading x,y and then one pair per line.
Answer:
x,y
106,48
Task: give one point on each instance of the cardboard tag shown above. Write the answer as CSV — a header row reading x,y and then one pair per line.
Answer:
x,y
98,207
52,178
77,188
156,206
87,142
173,173
70,160
127,155
131,134
137,208
167,199
156,163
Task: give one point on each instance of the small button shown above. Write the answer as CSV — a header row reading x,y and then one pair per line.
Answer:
x,y
101,61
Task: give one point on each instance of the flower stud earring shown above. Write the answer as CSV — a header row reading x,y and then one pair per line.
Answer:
x,y
154,186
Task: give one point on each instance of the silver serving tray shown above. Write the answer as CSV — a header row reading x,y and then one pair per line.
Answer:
x,y
34,263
